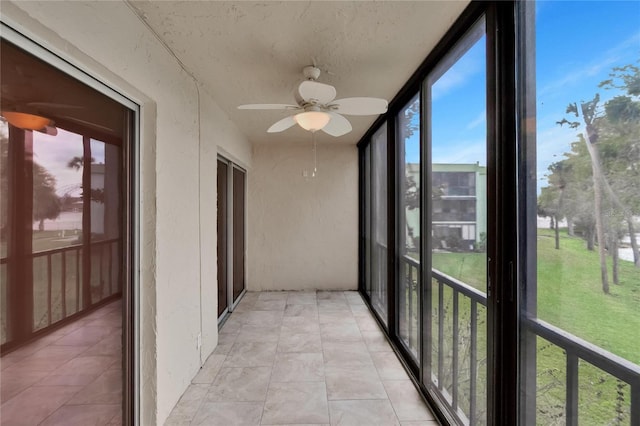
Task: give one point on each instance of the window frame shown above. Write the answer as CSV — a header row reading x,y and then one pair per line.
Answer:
x,y
131,199
502,164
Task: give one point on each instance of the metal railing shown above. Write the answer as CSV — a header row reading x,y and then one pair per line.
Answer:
x,y
57,269
575,349
452,397
408,321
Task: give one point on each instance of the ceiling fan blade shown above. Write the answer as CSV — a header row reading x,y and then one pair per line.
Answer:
x,y
268,106
282,125
319,92
53,105
338,125
49,130
88,123
360,106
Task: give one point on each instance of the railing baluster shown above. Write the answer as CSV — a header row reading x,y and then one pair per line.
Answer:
x,y
454,367
101,274
78,280
635,403
49,289
473,368
440,334
63,284
110,271
410,310
572,389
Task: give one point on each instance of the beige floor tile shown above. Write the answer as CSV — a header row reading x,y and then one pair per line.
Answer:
x,y
87,365
302,298
106,389
12,383
406,401
253,333
370,413
251,354
346,353
343,333
296,402
298,367
83,415
353,382
388,366
270,305
330,295
309,312
264,318
210,369
304,342
376,341
295,325
228,413
273,295
186,409
85,336
240,385
35,404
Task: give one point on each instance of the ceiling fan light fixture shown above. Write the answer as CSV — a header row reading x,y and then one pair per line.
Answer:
x,y
312,120
26,121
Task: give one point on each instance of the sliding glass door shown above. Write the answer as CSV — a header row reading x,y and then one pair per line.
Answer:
x,y
231,187
500,216
455,194
66,250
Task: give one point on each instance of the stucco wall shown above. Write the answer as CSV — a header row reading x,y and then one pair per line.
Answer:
x,y
178,172
303,234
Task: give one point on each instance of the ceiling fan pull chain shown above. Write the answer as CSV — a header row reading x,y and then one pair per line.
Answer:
x,y
315,155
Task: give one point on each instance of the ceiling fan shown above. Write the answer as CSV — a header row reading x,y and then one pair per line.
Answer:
x,y
317,109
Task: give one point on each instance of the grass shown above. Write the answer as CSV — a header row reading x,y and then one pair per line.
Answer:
x,y
570,297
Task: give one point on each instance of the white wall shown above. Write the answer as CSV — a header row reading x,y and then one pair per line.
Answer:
x,y
178,174
303,234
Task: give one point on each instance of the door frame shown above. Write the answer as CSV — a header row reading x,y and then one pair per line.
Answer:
x,y
131,221
231,304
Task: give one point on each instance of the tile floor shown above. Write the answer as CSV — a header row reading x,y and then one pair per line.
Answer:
x,y
301,358
70,377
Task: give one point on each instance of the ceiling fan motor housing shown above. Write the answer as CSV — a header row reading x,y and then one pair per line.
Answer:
x,y
311,72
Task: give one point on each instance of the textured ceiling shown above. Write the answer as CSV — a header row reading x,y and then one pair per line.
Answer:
x,y
254,52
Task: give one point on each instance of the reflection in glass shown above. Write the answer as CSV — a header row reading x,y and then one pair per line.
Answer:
x,y
379,246
408,139
584,284
457,135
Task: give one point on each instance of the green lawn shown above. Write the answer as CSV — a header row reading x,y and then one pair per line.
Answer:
x,y
570,297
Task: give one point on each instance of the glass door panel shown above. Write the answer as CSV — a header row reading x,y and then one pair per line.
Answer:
x,y
222,236
64,213
580,352
408,217
379,229
456,199
238,233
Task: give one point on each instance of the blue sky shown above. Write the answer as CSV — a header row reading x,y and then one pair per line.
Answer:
x,y
577,44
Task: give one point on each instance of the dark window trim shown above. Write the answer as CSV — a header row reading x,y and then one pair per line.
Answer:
x,y
130,163
502,390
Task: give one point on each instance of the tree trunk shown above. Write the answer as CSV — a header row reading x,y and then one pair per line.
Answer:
x,y
557,232
597,201
41,225
613,248
591,243
634,243
570,227
552,224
